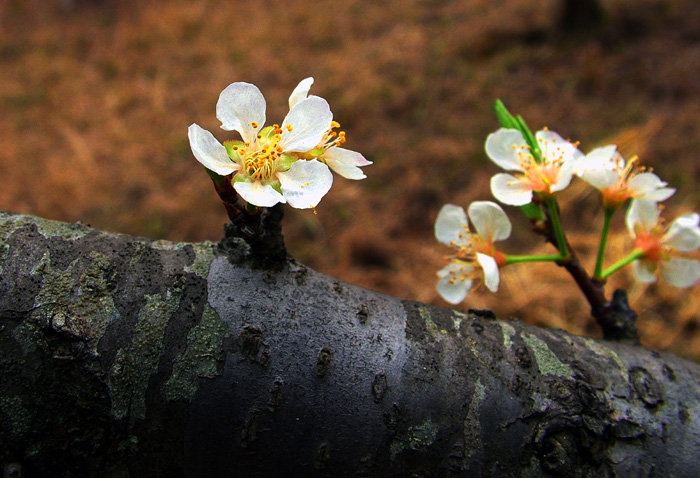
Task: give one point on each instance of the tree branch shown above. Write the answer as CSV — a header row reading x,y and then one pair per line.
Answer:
x,y
123,356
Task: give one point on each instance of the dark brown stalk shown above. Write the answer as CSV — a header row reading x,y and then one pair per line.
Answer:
x,y
615,317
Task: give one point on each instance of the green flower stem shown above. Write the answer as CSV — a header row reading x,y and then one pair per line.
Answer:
x,y
556,226
597,274
633,256
534,258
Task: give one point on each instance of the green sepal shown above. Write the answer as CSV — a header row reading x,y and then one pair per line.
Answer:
x,y
229,145
316,152
237,178
285,162
533,212
217,178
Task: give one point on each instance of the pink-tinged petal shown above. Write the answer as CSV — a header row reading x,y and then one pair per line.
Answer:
x,y
491,276
600,178
644,271
454,284
505,146
300,92
346,162
209,151
305,183
509,190
641,213
556,148
258,194
681,273
684,233
451,226
489,220
309,120
241,107
566,173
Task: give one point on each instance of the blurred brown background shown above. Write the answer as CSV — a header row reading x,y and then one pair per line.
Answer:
x,y
96,97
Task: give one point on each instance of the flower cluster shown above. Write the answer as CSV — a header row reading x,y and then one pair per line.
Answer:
x,y
283,163
539,167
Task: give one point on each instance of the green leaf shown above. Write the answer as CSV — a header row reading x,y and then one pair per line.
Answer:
x,y
504,117
530,138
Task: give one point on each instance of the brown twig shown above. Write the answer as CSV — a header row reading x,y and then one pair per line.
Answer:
x,y
261,229
615,317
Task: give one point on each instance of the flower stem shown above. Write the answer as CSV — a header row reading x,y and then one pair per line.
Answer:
x,y
534,258
556,226
633,256
597,274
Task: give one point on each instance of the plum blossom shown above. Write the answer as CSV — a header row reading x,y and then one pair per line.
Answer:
x,y
619,180
509,150
265,166
343,161
660,245
476,255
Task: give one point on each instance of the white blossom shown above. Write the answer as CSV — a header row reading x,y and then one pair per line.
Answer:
x,y
476,258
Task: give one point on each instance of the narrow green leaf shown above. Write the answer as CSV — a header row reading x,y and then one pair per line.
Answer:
x,y
504,117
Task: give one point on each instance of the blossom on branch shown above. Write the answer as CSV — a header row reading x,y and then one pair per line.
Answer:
x,y
265,164
546,172
476,256
660,245
619,180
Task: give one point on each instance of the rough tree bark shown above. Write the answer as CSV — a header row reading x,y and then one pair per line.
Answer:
x,y
126,357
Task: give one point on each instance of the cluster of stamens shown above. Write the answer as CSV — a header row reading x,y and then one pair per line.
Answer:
x,y
332,138
259,158
541,175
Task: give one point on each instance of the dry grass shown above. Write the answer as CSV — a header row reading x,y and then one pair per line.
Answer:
x,y
95,102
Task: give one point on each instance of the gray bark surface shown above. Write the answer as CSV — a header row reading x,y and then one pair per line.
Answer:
x,y
127,357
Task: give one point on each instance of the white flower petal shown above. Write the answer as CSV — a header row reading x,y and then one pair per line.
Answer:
x,y
346,162
305,183
489,220
641,213
681,273
504,148
491,276
660,194
451,226
566,173
599,178
300,92
684,234
644,271
598,159
258,194
645,183
209,151
239,106
310,119
556,148
454,285
509,190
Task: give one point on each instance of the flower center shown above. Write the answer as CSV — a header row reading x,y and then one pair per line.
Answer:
x,y
650,243
259,158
